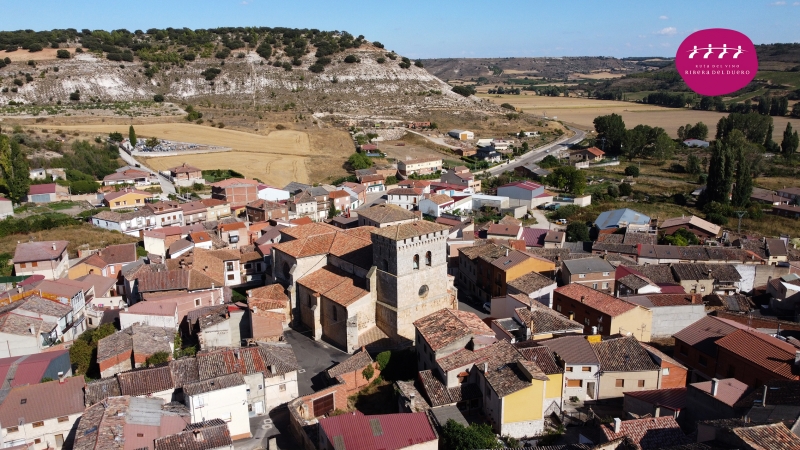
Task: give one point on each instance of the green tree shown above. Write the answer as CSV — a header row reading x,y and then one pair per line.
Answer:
x,y
158,98
455,436
359,161
625,189
568,178
577,232
62,54
368,372
383,359
612,128
698,131
632,171
157,358
332,211
132,135
635,142
80,355
681,238
693,165
152,142
743,187
115,136
464,90
15,169
796,110
663,147
790,141
721,168
612,191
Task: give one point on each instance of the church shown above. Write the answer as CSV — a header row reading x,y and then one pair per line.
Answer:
x,y
356,287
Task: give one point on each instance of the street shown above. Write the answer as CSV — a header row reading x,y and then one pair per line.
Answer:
x,y
538,154
166,187
314,357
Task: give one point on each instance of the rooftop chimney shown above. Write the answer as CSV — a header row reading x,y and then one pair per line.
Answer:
x,y
796,357
764,396
485,367
714,386
617,424
61,378
583,298
54,246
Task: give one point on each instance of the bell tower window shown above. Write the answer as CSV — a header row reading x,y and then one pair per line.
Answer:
x,y
416,262
428,258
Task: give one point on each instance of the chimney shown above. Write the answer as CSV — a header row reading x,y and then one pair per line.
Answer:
x,y
714,386
61,378
54,246
583,298
32,329
764,396
617,424
485,367
506,252
797,358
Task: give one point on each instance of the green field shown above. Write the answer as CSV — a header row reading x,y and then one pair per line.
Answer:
x,y
788,78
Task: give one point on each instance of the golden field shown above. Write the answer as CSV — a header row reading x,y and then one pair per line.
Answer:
x,y
582,112
276,170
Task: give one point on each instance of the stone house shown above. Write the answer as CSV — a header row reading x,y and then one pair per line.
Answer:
x,y
264,210
533,285
350,371
46,258
531,321
217,326
106,262
624,366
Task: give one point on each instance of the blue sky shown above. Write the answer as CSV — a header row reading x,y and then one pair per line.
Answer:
x,y
444,28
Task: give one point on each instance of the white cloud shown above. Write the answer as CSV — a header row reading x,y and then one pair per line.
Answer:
x,y
668,31
778,3
796,4
642,36
663,17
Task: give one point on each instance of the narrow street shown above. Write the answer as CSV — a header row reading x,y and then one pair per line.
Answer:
x,y
166,187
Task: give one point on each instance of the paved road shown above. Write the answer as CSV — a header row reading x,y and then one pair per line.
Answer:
x,y
435,140
538,154
166,187
314,358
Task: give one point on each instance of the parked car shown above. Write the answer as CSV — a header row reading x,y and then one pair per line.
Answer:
x,y
487,307
553,206
561,221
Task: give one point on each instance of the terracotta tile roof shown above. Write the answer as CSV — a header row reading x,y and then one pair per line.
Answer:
x,y
762,351
461,358
184,168
20,325
573,350
214,384
674,399
506,368
623,354
42,401
693,221
145,381
199,237
729,390
650,433
208,435
97,391
213,202
530,283
154,308
372,178
596,300
405,191
386,213
35,189
231,226
657,355
207,316
527,185
774,436
703,334
354,363
184,371
497,229
486,250
269,292
446,326
387,432
39,251
534,237
410,230
330,284
440,199
543,357
141,339
438,394
64,288
269,359
776,247
655,272
39,306
118,254
309,230
634,281
115,195
513,258
595,151
542,319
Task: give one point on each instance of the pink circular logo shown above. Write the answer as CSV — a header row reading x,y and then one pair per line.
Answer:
x,y
716,61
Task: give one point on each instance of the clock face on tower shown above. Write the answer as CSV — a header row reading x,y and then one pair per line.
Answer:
x,y
423,291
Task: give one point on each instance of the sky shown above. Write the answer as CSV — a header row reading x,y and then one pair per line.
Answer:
x,y
443,28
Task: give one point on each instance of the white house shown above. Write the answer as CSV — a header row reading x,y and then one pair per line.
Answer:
x,y
41,415
130,223
223,397
461,135
436,204
406,198
154,314
273,194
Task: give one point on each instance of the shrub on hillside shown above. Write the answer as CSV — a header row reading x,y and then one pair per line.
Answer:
x,y
62,54
158,98
632,171
35,48
350,59
466,91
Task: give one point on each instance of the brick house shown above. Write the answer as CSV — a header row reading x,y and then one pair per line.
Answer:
x,y
350,371
596,273
695,345
673,374
610,315
753,358
264,210
186,175
236,191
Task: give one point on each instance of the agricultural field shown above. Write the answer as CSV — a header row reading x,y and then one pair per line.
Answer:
x,y
44,55
582,112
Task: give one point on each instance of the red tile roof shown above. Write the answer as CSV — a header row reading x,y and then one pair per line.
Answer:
x,y
503,230
39,251
527,185
650,433
674,399
775,436
763,351
729,390
328,283
703,333
37,402
386,432
449,325
49,188
302,221
595,151
596,300
234,182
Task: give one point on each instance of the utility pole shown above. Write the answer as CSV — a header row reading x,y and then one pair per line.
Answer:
x,y
740,214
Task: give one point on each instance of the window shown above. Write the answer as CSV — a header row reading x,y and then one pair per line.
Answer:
x,y
581,275
138,200
558,308
586,369
37,424
230,276
90,321
587,321
247,266
113,270
229,266
665,371
605,274
37,441
117,204
428,258
594,285
416,262
702,360
574,383
605,285
22,265
620,383
641,383
34,264
282,388
12,429
569,369
197,302
731,373
702,288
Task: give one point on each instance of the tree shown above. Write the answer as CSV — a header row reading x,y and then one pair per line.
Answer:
x,y
721,169
80,355
359,161
568,178
577,232
158,98
698,131
368,372
35,48
632,171
743,187
625,189
62,54
681,238
796,110
790,141
75,96
455,436
132,135
663,147
693,165
612,128
465,91
350,59
612,191
157,358
332,211
152,142
115,136
548,162
15,169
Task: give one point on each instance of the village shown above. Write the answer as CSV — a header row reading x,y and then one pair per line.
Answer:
x,y
405,305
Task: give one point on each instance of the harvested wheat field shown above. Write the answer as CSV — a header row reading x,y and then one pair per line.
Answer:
x,y
277,170
24,55
582,112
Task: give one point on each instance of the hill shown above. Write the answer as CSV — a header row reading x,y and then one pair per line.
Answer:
x,y
278,69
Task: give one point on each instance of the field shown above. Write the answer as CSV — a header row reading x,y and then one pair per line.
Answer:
x,y
277,158
582,112
78,235
24,55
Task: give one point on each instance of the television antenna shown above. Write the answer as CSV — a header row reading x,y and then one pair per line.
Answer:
x,y
740,214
